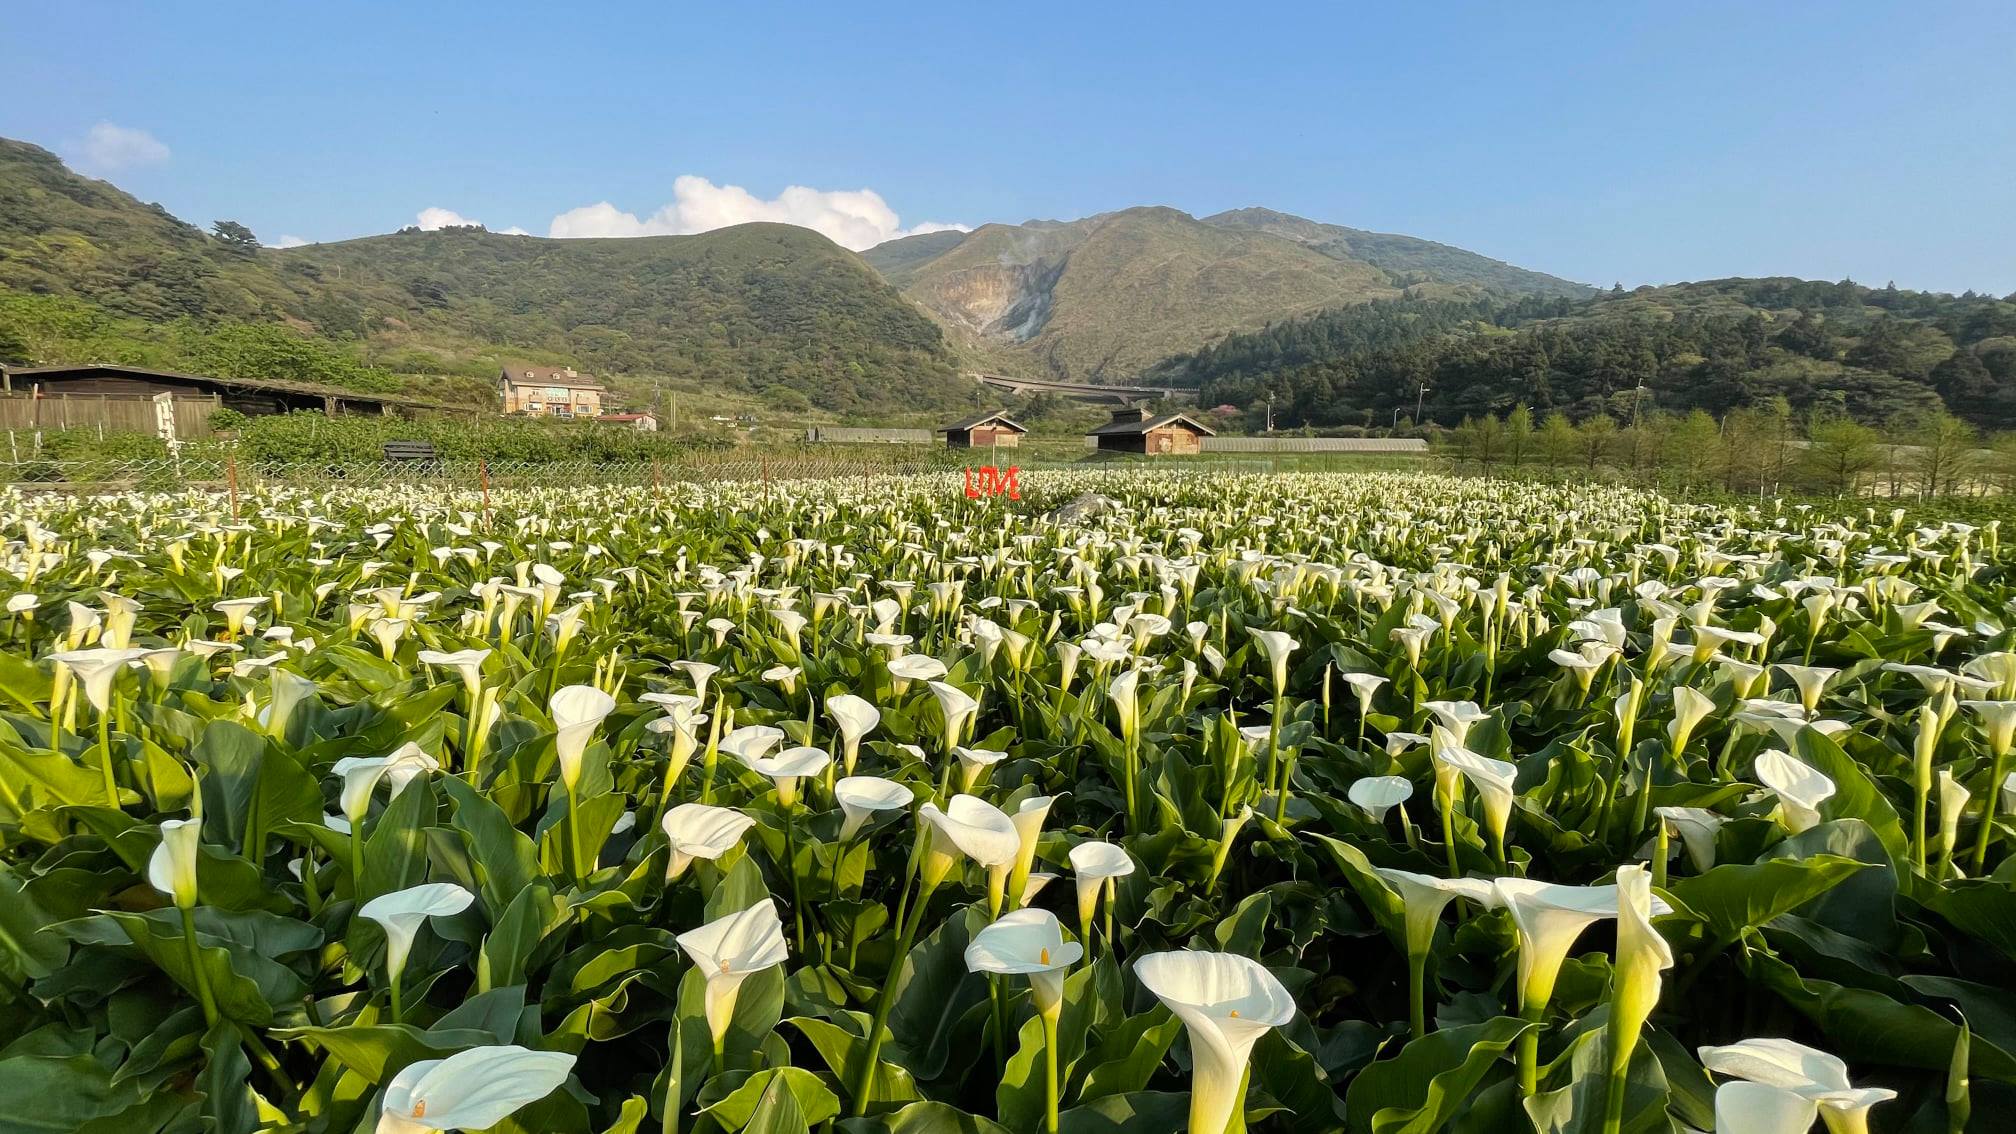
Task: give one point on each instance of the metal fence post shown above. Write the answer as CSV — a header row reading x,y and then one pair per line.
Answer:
x,y
231,482
483,474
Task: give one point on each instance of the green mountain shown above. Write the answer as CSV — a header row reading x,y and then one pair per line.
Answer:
x,y
1103,298
1408,259
898,260
89,273
1876,354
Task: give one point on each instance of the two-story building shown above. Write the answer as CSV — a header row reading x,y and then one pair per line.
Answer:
x,y
550,391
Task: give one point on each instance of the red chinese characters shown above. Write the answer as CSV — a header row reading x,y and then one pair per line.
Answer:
x,y
991,481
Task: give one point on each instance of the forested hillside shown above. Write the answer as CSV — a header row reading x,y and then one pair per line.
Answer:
x,y
1875,354
89,273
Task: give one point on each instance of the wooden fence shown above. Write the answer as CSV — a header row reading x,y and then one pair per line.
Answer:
x,y
107,413
850,435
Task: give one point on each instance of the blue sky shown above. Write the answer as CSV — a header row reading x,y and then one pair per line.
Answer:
x,y
1602,141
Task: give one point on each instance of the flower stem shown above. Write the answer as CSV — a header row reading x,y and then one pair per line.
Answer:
x,y
1660,852
1273,741
1417,993
1918,826
1529,1050
791,872
357,861
1988,799
105,761
1133,757
1281,796
864,1079
998,1005
1642,811
1449,834
1613,1097
1049,1073
578,860
203,993
1112,894
674,1075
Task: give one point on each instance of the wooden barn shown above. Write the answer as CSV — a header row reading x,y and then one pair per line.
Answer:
x,y
983,431
1136,430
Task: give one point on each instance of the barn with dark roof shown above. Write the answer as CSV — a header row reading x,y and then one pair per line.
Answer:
x,y
1136,429
991,430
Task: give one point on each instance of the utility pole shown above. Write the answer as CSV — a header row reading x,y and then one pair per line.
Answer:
x,y
1420,392
1270,413
1637,395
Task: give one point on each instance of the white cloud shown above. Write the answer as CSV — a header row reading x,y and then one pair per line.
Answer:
x,y
514,230
851,218
286,242
108,147
438,217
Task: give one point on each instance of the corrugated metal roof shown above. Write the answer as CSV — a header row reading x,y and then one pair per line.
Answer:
x,y
978,420
1127,428
275,385
521,375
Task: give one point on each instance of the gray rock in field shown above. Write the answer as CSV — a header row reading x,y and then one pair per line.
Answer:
x,y
1085,506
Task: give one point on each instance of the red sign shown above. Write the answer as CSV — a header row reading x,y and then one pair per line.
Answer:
x,y
993,482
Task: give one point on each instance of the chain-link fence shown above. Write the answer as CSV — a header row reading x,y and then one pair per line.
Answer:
x,y
222,472
218,473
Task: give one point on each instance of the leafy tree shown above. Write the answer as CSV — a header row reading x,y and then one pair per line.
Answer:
x,y
1840,452
1694,448
236,237
1490,440
1596,440
2001,462
1945,454
1558,440
1518,435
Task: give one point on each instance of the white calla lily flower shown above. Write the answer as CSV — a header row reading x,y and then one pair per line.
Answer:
x,y
855,717
470,1090
728,950
956,708
577,711
1226,1002
1800,788
1095,867
172,867
1027,943
861,797
1376,795
1275,645
700,830
401,914
786,768
97,668
1757,1108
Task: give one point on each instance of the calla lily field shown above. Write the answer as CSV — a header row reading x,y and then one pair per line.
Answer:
x,y
1367,803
